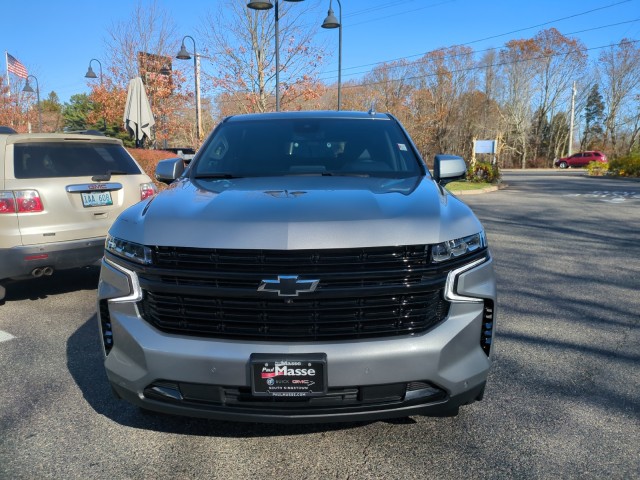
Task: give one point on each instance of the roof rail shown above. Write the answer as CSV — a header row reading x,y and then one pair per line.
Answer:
x,y
7,130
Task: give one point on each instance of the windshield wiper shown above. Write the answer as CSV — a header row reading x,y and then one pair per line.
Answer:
x,y
107,176
215,175
347,174
327,174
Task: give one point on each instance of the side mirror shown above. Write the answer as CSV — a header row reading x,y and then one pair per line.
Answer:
x,y
448,168
168,170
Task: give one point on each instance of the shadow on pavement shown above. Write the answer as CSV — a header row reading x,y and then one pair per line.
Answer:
x,y
84,360
60,282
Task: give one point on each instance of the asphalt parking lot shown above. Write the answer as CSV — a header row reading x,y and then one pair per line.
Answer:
x,y
563,398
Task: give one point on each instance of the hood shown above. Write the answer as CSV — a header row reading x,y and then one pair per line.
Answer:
x,y
304,212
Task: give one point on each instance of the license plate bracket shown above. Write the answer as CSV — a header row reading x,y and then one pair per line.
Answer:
x,y
96,199
289,375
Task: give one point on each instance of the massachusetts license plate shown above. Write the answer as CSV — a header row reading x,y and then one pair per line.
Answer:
x,y
289,375
96,199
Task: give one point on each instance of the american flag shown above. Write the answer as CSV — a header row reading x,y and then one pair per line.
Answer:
x,y
15,67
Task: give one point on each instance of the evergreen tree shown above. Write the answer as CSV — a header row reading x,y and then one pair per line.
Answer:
x,y
52,103
76,111
593,117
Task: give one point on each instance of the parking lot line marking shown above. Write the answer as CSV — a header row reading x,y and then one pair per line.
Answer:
x,y
5,336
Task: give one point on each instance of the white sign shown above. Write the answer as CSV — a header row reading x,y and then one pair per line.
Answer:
x,y
485,146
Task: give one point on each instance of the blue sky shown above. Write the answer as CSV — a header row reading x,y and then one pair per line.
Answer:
x,y
56,39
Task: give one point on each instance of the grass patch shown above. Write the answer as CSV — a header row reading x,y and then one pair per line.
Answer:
x,y
464,186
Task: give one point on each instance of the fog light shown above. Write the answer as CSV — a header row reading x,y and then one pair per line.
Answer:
x,y
162,390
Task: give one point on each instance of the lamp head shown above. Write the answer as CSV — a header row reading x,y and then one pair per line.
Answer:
x,y
27,88
331,21
90,73
183,54
260,4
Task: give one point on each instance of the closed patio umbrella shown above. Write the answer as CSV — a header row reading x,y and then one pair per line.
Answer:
x,y
138,118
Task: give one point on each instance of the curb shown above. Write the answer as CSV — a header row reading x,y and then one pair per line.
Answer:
x,y
615,177
480,191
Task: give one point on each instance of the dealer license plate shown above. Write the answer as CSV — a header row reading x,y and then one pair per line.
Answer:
x,y
96,199
289,376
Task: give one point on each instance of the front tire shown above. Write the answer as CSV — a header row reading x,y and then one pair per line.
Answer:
x,y
563,165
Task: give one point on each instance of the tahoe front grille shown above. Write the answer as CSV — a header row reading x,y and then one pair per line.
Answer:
x,y
361,293
295,320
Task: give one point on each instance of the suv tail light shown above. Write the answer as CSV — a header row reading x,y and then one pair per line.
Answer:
x,y
147,190
28,201
20,201
7,202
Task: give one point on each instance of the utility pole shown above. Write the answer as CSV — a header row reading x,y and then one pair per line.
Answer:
x,y
573,106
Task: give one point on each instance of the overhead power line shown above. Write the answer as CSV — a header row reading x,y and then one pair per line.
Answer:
x,y
475,52
575,15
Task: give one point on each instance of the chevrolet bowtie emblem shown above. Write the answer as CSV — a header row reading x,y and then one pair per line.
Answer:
x,y
288,286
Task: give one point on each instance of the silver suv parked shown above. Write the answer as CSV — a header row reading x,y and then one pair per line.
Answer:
x,y
306,267
59,194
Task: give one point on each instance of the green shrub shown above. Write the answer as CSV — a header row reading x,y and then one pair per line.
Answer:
x,y
483,172
597,169
628,166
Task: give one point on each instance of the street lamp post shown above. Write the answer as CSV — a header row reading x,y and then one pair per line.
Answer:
x,y
91,74
27,88
266,5
332,22
183,54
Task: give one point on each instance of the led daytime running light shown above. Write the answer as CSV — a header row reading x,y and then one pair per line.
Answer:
x,y
129,250
458,247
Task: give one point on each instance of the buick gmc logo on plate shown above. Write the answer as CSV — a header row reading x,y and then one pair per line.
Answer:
x,y
288,286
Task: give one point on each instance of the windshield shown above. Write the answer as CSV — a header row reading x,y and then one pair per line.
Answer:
x,y
72,159
329,146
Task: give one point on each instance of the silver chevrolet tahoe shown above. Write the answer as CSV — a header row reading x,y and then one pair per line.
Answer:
x,y
305,267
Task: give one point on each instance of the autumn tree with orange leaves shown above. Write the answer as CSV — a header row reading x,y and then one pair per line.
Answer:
x,y
144,46
441,79
12,107
19,110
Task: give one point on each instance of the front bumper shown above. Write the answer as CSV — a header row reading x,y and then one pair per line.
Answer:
x,y
431,374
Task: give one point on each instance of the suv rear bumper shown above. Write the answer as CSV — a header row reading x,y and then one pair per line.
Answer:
x,y
19,262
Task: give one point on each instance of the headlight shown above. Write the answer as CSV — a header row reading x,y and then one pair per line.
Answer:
x,y
460,246
129,250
